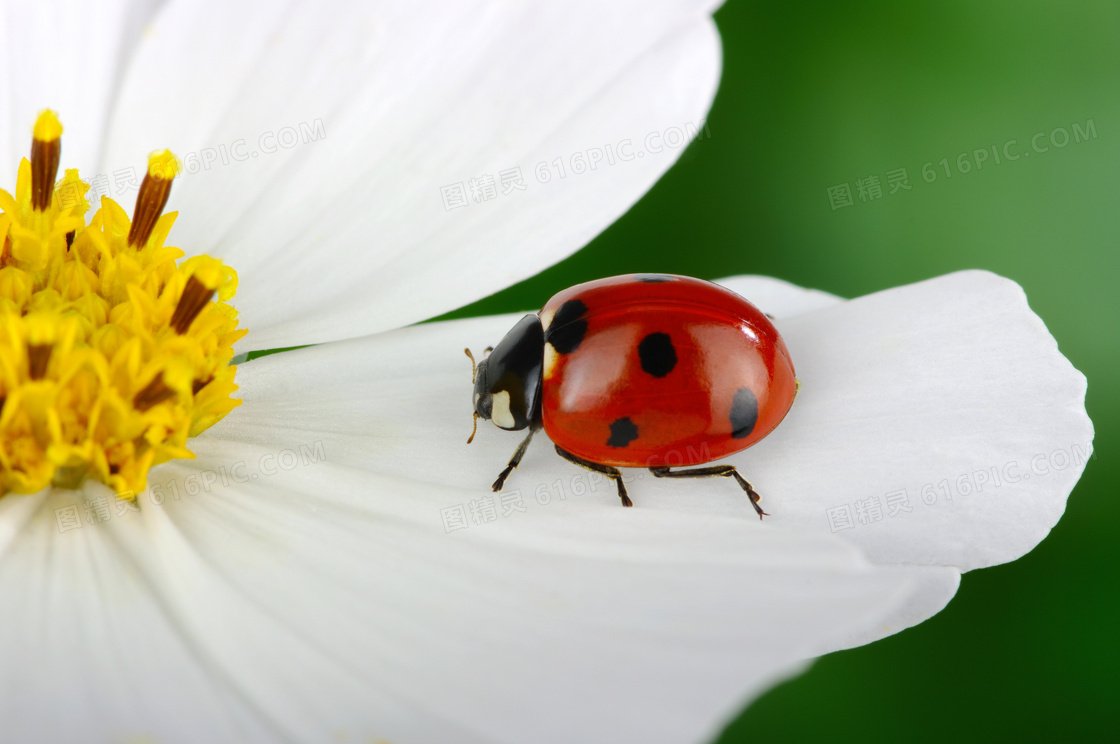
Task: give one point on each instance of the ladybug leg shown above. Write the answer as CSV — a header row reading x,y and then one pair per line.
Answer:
x,y
514,461
726,471
607,470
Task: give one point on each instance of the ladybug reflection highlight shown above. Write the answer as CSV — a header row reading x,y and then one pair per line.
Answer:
x,y
636,371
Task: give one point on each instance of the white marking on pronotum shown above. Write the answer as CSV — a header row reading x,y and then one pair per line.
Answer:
x,y
551,356
500,412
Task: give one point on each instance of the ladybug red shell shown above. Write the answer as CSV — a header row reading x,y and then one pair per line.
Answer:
x,y
644,370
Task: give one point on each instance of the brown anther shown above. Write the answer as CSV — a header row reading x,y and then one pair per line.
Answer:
x,y
150,202
154,393
195,296
69,239
44,168
38,357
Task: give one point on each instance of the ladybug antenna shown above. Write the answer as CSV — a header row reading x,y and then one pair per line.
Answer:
x,y
474,428
488,349
473,366
474,370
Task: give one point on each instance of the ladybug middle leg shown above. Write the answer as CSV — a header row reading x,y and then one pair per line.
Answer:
x,y
611,472
726,471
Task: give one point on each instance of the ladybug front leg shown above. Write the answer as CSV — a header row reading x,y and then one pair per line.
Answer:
x,y
514,461
607,470
726,471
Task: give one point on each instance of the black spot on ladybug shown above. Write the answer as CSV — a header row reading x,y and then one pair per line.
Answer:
x,y
653,278
744,413
623,432
567,328
657,354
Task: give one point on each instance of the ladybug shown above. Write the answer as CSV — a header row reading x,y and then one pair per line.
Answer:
x,y
642,370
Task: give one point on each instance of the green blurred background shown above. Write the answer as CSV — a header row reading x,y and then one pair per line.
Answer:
x,y
816,95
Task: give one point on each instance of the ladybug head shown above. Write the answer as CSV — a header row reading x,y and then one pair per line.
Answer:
x,y
507,384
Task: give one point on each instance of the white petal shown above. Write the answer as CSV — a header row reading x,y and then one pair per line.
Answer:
x,y
931,588
89,653
66,56
950,390
934,585
349,234
336,601
777,298
16,510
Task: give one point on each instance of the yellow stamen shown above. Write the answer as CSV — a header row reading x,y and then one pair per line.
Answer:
x,y
46,149
112,352
154,192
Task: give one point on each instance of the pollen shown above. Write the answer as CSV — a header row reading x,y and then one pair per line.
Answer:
x,y
114,350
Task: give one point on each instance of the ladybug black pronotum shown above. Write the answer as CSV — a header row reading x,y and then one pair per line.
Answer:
x,y
635,371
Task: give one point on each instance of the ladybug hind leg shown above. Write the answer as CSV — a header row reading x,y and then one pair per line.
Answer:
x,y
611,472
714,471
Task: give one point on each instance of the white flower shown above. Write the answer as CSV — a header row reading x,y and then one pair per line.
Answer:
x,y
298,579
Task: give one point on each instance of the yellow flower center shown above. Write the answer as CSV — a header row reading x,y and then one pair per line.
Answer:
x,y
112,353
